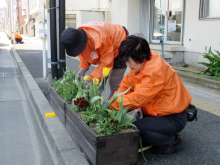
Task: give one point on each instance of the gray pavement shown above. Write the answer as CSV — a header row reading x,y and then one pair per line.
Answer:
x,y
200,139
27,136
22,141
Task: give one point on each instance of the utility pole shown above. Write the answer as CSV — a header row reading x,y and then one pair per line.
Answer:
x,y
62,59
53,39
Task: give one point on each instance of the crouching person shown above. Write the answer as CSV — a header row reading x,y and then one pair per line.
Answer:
x,y
158,91
18,38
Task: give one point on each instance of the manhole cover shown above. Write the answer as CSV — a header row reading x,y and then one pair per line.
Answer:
x,y
11,74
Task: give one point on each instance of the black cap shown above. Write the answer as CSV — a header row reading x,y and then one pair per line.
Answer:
x,y
74,41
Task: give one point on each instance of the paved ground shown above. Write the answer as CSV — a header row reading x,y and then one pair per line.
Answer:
x,y
200,139
22,141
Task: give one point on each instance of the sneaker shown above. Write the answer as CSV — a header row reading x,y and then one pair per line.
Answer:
x,y
176,146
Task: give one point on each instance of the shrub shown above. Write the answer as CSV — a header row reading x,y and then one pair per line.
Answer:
x,y
213,67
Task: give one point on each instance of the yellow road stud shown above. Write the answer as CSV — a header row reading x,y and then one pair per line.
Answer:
x,y
52,114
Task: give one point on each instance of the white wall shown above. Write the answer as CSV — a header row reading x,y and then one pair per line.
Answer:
x,y
126,13
119,12
87,4
201,32
133,16
89,16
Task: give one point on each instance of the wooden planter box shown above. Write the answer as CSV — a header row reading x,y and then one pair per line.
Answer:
x,y
115,149
58,105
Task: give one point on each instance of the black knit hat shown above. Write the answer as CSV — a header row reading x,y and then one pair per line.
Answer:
x,y
74,40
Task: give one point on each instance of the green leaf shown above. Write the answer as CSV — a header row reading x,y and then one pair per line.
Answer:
x,y
127,124
94,99
100,84
116,97
127,119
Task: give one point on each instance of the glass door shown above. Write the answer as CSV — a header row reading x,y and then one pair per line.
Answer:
x,y
172,16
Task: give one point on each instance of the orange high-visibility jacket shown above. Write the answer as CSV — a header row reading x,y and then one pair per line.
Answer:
x,y
157,89
104,40
17,35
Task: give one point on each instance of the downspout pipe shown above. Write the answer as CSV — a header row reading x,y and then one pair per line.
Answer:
x,y
53,39
62,60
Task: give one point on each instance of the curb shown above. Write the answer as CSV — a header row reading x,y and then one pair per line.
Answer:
x,y
62,147
199,80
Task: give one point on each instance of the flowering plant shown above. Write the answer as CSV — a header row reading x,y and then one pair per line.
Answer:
x,y
89,102
65,86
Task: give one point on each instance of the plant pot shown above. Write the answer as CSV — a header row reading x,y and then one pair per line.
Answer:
x,y
58,105
119,148
109,149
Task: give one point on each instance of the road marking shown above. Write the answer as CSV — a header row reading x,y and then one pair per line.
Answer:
x,y
206,106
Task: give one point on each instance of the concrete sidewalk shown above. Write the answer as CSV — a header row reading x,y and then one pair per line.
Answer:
x,y
23,87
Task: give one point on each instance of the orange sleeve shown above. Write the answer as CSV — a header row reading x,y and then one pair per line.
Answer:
x,y
106,52
83,63
143,93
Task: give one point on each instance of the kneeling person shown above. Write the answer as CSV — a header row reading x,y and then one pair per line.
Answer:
x,y
158,91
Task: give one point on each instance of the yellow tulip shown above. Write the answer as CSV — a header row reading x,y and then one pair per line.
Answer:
x,y
86,78
106,71
95,81
66,68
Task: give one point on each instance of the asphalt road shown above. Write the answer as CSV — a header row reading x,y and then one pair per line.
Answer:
x,y
200,139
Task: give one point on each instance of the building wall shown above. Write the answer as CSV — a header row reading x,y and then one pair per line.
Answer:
x,y
126,13
87,4
21,18
89,10
201,33
89,16
119,12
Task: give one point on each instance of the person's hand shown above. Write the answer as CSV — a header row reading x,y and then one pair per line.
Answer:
x,y
106,104
87,82
81,74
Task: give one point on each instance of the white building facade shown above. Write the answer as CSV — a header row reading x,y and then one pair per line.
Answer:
x,y
187,26
77,13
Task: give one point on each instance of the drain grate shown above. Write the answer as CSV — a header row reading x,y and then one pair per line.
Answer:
x,y
11,74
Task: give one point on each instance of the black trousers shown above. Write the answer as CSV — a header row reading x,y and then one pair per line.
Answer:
x,y
18,39
160,131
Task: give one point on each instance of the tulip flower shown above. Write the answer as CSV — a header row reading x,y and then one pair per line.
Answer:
x,y
95,81
106,71
66,68
86,78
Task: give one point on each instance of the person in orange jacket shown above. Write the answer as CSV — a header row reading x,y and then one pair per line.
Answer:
x,y
18,38
97,43
158,91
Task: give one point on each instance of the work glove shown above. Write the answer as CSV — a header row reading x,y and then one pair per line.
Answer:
x,y
106,104
81,74
87,82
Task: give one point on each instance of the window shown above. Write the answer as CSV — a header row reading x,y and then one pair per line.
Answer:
x,y
171,24
209,9
70,21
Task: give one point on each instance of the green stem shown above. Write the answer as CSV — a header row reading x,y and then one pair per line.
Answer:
x,y
142,150
104,89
